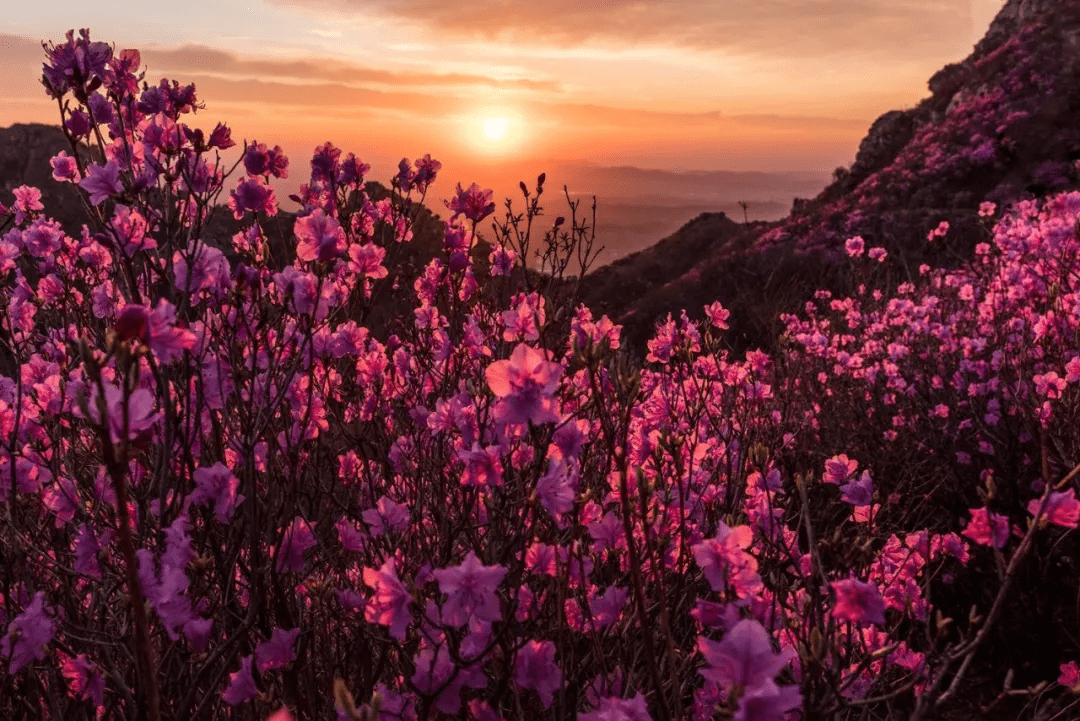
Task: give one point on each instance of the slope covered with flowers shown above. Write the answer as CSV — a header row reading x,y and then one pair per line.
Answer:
x,y
1002,125
224,496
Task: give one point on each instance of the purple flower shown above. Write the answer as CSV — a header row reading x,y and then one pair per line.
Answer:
x,y
744,657
296,539
241,684
619,709
472,202
319,237
535,668
858,492
217,485
252,195
278,651
858,602
27,635
1062,509
470,590
525,385
607,608
84,680
43,238
102,182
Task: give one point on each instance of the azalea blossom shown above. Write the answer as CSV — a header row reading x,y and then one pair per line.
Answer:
x,y
471,591
525,386
858,602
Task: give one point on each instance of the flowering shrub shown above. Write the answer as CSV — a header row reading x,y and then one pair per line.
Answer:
x,y
226,495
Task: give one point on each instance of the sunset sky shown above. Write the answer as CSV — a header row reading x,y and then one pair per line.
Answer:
x,y
771,85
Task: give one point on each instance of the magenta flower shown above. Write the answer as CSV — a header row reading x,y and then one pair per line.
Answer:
x,y
278,651
619,709
84,679
525,385
386,517
858,492
1062,509
1070,676
768,703
252,195
1049,385
839,469
140,412
319,237
472,202
858,602
27,201
241,684
297,539
471,591
389,606
987,529
726,563
534,668
718,315
217,485
43,238
607,608
744,658
102,182
855,246
366,259
28,635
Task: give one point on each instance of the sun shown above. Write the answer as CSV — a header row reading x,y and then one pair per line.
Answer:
x,y
494,128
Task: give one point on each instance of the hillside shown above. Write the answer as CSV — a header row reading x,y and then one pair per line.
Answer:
x,y
1001,126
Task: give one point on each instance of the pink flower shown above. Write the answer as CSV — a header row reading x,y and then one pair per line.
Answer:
x,y
858,602
140,412
319,237
386,517
84,679
297,539
839,469
474,203
1070,676
525,385
389,606
718,315
987,529
1049,385
726,563
27,635
1062,509
65,168
878,254
278,651
987,209
855,246
27,201
1072,370
534,668
470,590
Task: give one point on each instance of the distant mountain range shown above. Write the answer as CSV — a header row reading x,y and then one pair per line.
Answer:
x,y
1001,125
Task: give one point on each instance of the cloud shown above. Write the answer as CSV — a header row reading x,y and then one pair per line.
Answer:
x,y
778,28
201,58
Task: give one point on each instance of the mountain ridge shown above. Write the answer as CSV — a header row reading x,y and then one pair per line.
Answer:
x,y
1001,125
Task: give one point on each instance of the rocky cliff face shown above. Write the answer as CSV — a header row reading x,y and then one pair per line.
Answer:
x,y
1001,125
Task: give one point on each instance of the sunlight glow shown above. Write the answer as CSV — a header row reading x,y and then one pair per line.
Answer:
x,y
494,128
